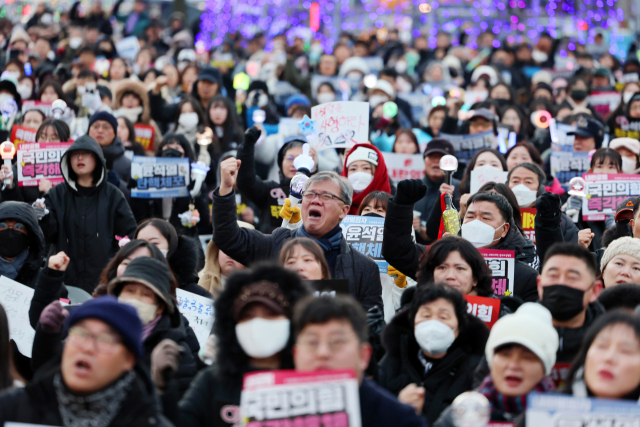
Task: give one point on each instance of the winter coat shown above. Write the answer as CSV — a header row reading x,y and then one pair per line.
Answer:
x,y
140,90
247,246
84,224
114,155
571,338
403,254
184,265
37,403
448,377
379,408
380,181
550,231
22,212
48,288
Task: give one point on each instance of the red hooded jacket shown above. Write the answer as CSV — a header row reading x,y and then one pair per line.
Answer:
x,y
380,179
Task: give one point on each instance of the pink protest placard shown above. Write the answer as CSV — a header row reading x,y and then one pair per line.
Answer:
x,y
502,264
38,161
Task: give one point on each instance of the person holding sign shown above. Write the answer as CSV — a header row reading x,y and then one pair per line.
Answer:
x,y
85,213
608,365
433,348
99,375
365,168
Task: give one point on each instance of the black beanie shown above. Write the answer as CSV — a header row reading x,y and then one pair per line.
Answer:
x,y
107,117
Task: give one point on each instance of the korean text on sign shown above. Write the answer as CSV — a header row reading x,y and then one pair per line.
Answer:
x,y
144,135
502,266
485,309
466,146
550,409
158,177
529,223
21,134
567,164
341,124
364,234
605,191
327,398
16,300
199,312
404,166
37,161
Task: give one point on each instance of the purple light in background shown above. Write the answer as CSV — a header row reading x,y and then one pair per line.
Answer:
x,y
563,54
511,39
514,19
416,33
496,30
495,44
521,4
435,4
379,24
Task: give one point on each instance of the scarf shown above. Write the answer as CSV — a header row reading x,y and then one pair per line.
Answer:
x,y
330,244
380,179
149,327
94,410
511,407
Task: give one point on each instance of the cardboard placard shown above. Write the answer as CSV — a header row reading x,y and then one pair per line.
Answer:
x,y
551,409
159,177
21,134
16,300
484,174
568,164
404,166
605,102
144,135
300,399
605,191
529,223
364,234
128,47
502,264
37,161
45,107
340,124
466,146
331,287
199,312
485,309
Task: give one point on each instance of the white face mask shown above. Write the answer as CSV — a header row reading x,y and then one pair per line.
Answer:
x,y
524,195
146,312
360,181
188,120
434,337
24,91
326,97
261,338
75,42
626,96
478,233
376,100
628,165
539,56
130,113
354,75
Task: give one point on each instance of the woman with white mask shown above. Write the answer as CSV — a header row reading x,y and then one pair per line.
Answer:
x,y
365,168
253,331
190,121
433,347
629,150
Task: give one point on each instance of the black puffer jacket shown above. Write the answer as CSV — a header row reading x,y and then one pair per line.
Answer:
x,y
448,377
571,338
84,223
524,248
24,213
20,194
37,403
184,262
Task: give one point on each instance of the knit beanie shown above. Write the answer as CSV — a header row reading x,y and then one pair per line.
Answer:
x,y
531,327
363,153
623,245
107,117
122,318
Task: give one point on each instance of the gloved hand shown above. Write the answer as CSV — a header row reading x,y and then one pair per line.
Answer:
x,y
52,317
574,203
410,191
400,280
252,135
164,362
289,213
113,178
375,320
40,207
548,205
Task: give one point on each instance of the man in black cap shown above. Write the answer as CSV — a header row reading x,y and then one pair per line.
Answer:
x,y
483,120
601,79
589,134
434,180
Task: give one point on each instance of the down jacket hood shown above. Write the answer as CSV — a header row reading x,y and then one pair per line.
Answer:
x,y
139,89
88,144
524,248
24,213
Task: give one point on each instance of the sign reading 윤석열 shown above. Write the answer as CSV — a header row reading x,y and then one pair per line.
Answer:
x,y
364,234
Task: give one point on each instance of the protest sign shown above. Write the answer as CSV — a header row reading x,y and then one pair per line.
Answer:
x,y
199,312
605,102
528,223
128,47
38,161
158,177
559,374
564,142
16,300
480,176
288,127
485,309
502,265
331,287
144,135
605,191
364,234
550,409
45,107
341,124
567,164
21,134
404,166
466,146
287,397
419,102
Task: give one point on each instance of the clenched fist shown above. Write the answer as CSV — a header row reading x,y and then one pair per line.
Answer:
x,y
59,261
228,175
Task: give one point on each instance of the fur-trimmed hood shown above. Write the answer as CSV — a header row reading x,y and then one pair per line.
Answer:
x,y
472,340
140,90
231,359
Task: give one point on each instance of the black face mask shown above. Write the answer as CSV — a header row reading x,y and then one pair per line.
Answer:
x,y
171,152
373,214
564,302
13,243
502,102
578,95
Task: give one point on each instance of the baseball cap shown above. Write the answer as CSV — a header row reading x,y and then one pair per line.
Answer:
x,y
485,113
439,145
589,128
625,206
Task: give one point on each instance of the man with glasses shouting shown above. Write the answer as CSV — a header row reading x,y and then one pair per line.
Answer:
x,y
98,380
325,202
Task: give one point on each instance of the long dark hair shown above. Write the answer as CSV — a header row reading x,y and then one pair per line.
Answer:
x,y
533,151
511,198
310,246
440,250
232,132
55,85
174,138
605,153
6,380
411,135
380,199
465,183
197,108
165,228
610,318
61,128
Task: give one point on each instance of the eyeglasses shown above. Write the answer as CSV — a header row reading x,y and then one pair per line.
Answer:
x,y
312,344
17,226
78,153
325,197
101,342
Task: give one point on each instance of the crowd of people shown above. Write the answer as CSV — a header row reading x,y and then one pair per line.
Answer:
x,y
123,354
